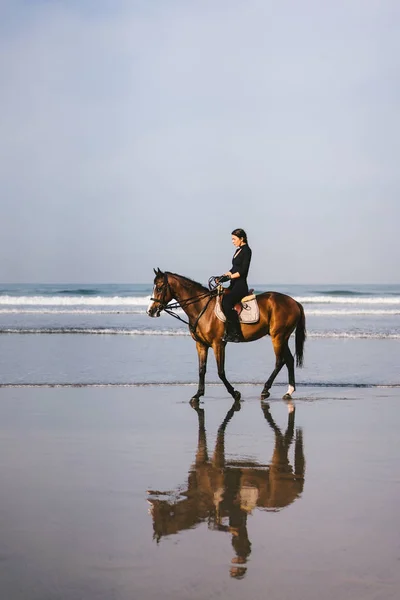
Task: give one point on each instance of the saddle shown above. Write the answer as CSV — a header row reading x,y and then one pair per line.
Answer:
x,y
247,309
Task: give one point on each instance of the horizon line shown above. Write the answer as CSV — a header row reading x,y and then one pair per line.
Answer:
x,y
87,283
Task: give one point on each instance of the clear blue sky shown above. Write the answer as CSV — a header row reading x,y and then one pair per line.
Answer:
x,y
140,133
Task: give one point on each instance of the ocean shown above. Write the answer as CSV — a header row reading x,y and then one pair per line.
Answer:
x,y
101,334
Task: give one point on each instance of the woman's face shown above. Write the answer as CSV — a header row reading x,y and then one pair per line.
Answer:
x,y
237,241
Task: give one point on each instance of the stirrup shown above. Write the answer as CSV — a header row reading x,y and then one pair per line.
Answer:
x,y
232,334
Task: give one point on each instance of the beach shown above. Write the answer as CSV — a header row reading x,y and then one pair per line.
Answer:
x,y
118,492
115,486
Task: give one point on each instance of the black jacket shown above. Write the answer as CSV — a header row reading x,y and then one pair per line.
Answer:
x,y
241,262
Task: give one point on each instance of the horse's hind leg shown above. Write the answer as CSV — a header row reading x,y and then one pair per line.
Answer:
x,y
202,352
279,349
219,351
289,360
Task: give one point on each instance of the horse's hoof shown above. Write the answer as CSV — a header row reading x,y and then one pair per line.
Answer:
x,y
237,395
287,397
265,395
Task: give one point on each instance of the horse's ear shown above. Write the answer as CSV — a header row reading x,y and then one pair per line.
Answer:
x,y
155,271
159,271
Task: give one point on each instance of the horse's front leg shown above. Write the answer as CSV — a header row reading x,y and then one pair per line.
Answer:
x,y
202,352
219,351
279,349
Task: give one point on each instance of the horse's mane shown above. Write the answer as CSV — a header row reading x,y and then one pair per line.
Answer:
x,y
188,283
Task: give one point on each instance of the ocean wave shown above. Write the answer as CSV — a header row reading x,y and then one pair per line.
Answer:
x,y
69,311
93,331
352,312
88,299
359,335
112,384
127,310
79,292
341,293
348,300
179,332
74,301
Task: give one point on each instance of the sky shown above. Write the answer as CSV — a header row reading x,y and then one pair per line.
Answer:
x,y
139,134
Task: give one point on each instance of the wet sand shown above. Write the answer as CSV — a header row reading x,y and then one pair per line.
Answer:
x,y
130,492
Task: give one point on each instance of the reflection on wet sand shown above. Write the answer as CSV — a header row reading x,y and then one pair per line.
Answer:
x,y
223,493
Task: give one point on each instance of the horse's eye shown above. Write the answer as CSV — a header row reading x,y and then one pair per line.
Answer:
x,y
159,289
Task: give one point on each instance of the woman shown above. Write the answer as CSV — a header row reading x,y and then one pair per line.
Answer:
x,y
238,288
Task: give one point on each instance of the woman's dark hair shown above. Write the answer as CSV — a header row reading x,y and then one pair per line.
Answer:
x,y
240,233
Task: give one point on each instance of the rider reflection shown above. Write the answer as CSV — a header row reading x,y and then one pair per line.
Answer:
x,y
224,493
231,506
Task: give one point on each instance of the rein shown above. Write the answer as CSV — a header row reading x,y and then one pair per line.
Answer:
x,y
169,308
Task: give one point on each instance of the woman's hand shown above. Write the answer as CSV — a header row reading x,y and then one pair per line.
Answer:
x,y
227,277
223,278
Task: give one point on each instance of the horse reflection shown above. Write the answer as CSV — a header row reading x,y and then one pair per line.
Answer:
x,y
224,492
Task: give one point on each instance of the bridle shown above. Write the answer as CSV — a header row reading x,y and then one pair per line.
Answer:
x,y
170,307
165,286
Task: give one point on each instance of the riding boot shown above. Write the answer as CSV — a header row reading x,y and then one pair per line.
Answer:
x,y
233,332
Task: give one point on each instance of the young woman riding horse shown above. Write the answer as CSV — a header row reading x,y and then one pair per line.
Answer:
x,y
280,315
238,287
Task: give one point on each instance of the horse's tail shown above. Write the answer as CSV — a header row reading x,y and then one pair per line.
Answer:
x,y
301,335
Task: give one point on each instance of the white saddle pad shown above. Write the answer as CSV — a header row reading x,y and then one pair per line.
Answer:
x,y
250,312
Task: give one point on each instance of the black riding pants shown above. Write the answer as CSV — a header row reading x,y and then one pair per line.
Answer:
x,y
238,290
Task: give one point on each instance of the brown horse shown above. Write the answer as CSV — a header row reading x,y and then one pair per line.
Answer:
x,y
280,315
223,492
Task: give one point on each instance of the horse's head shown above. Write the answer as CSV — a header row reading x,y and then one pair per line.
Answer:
x,y
161,294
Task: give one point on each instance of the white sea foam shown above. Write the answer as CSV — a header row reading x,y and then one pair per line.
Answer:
x,y
346,312
74,301
93,331
355,335
395,300
126,310
178,332
145,384
70,311
126,301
